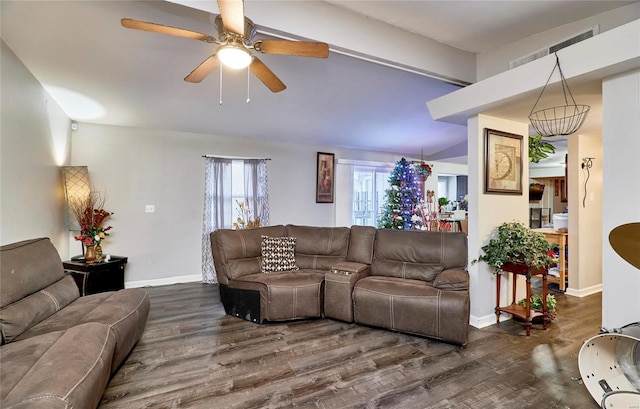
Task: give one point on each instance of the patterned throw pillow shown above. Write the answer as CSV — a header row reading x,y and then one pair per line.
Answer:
x,y
278,254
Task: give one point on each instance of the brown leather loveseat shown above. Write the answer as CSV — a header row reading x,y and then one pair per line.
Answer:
x,y
58,350
408,281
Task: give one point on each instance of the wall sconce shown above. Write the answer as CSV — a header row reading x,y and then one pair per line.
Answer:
x,y
587,163
76,190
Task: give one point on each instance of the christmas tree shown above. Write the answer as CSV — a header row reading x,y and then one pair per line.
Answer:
x,y
402,199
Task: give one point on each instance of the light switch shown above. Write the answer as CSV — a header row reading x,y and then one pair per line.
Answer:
x,y
150,209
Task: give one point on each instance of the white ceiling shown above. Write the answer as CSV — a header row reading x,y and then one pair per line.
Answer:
x,y
478,26
133,78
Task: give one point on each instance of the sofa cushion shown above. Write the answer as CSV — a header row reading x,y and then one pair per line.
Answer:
x,y
124,312
237,253
319,248
278,254
287,295
62,369
412,306
416,254
361,244
27,267
402,269
18,317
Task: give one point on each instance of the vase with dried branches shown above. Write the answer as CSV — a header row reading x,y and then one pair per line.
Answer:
x,y
90,214
244,220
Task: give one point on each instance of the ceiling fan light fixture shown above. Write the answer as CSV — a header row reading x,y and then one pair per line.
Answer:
x,y
234,56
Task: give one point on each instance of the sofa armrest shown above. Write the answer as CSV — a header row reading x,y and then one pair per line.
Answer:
x,y
348,267
453,279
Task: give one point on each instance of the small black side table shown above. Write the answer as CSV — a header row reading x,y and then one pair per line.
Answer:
x,y
97,277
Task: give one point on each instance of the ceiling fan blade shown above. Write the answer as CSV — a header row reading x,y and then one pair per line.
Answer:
x,y
265,75
297,48
162,29
232,13
204,69
625,240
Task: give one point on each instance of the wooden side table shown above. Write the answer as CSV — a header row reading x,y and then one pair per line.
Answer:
x,y
516,310
97,277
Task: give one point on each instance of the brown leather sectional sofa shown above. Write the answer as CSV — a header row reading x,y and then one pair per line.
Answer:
x,y
408,281
58,350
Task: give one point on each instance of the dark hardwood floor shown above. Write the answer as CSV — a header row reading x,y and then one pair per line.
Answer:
x,y
192,355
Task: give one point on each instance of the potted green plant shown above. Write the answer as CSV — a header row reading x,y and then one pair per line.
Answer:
x,y
536,304
514,245
442,201
539,149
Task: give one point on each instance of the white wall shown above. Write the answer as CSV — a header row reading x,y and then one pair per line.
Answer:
x,y
34,141
496,61
621,194
585,223
136,167
487,211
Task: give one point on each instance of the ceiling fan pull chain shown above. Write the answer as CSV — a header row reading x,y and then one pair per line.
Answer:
x,y
220,85
248,77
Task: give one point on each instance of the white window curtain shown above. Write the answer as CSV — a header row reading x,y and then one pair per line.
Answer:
x,y
219,205
217,209
256,189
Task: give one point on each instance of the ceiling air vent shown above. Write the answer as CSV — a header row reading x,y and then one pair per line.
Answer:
x,y
555,47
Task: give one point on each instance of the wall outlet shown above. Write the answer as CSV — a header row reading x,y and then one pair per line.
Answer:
x,y
150,209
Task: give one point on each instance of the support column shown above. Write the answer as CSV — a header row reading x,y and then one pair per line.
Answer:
x,y
620,194
487,211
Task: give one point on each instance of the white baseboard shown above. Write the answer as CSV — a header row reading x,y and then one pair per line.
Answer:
x,y
490,319
585,291
486,320
163,281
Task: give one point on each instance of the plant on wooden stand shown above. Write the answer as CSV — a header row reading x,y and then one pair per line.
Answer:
x,y
513,243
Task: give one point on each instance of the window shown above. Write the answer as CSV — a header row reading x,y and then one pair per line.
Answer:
x,y
237,189
228,180
443,186
369,185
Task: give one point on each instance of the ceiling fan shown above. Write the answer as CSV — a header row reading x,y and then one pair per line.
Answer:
x,y
235,36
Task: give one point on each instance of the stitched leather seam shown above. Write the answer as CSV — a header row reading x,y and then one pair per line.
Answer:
x,y
47,396
244,246
397,296
296,287
334,281
53,298
135,311
98,359
295,302
438,315
391,312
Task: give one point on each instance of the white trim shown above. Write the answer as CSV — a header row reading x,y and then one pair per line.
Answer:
x,y
585,291
233,157
487,320
164,281
357,162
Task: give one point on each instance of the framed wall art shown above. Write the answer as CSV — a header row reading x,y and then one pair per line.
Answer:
x,y
503,162
325,178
